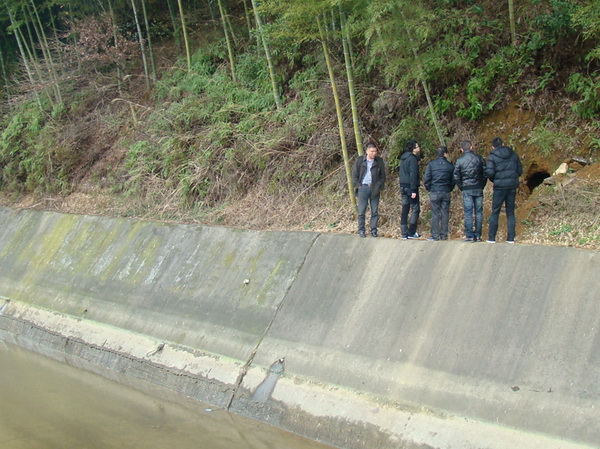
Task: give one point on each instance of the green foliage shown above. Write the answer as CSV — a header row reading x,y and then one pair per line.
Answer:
x,y
588,90
556,23
549,140
30,158
209,154
411,128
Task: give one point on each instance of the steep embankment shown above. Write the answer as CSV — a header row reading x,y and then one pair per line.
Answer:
x,y
385,342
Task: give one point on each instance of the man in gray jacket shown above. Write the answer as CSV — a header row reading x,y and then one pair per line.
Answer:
x,y
504,169
368,178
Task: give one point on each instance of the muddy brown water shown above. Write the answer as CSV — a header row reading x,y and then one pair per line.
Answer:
x,y
45,404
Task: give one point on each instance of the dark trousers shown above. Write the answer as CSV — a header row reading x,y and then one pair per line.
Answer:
x,y
440,214
500,197
364,198
473,206
412,205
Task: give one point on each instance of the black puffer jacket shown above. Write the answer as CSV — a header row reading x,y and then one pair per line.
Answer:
x,y
377,174
438,175
469,171
504,168
409,171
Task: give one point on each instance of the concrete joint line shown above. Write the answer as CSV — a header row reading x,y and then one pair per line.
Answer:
x,y
246,367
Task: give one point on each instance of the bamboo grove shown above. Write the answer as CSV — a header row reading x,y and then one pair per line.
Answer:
x,y
448,58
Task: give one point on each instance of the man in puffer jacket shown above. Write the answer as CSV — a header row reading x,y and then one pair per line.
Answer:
x,y
504,169
469,176
439,183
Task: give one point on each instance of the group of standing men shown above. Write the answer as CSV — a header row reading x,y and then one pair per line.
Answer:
x,y
470,173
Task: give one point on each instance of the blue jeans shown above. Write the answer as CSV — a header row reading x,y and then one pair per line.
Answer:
x,y
365,198
412,205
500,197
440,214
473,205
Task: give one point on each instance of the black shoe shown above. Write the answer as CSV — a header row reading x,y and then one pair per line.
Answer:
x,y
374,234
468,239
416,235
476,239
431,239
362,234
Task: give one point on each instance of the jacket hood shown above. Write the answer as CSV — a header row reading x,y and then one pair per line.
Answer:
x,y
407,154
503,152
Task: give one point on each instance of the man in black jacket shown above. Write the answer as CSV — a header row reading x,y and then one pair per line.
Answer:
x,y
439,183
368,179
504,169
409,189
469,176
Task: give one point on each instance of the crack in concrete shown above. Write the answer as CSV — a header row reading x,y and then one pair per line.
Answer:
x,y
248,363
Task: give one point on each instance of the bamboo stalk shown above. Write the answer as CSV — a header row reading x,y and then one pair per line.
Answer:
x,y
268,55
185,36
228,41
338,110
350,75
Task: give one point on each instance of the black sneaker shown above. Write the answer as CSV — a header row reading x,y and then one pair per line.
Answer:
x,y
374,234
431,239
476,239
416,235
468,239
362,234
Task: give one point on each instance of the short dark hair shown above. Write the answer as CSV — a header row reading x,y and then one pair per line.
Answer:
x,y
442,151
497,142
371,145
466,145
411,145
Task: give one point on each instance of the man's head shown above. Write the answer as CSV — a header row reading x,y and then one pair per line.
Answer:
x,y
497,142
413,147
442,151
371,151
466,145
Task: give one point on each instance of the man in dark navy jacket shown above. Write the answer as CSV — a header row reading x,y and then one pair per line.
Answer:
x,y
503,168
439,183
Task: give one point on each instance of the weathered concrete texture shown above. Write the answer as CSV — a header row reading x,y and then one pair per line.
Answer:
x,y
386,343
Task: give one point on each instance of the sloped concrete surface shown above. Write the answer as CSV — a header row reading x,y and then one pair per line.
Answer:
x,y
385,343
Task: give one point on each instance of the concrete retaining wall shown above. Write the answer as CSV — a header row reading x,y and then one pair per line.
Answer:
x,y
386,343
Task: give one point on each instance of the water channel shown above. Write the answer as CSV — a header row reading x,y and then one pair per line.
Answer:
x,y
48,405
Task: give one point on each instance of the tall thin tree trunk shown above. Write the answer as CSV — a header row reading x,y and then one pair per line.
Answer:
x,y
430,105
49,61
338,110
32,62
4,78
350,75
176,25
116,39
267,54
185,36
141,42
248,20
150,50
228,40
511,16
25,60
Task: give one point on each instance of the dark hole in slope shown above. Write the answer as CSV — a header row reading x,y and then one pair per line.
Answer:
x,y
535,179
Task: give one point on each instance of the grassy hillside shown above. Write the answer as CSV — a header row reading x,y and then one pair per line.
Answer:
x,y
197,146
